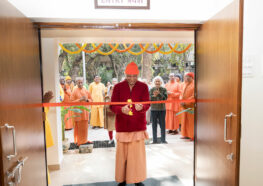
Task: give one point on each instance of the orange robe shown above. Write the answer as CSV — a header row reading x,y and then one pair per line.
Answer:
x,y
130,163
172,121
187,129
68,122
181,85
81,122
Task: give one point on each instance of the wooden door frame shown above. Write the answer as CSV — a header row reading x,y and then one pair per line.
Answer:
x,y
126,27
136,27
42,93
119,26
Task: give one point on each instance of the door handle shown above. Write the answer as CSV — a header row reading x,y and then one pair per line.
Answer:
x,y
225,128
9,157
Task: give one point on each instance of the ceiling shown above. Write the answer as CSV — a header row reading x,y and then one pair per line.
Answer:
x,y
83,11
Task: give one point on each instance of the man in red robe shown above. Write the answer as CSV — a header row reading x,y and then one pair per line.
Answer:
x,y
80,94
131,128
187,128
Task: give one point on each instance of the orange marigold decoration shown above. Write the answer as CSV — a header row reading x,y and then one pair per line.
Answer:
x,y
180,52
151,52
90,51
121,51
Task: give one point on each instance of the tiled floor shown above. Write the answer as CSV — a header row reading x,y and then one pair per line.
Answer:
x,y
163,160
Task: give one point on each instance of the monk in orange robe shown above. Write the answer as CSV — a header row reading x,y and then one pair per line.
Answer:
x,y
187,130
173,91
80,94
67,93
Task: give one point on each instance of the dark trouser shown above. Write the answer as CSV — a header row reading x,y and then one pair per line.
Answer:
x,y
158,116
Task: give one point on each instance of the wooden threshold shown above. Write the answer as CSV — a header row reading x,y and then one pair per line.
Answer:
x,y
118,26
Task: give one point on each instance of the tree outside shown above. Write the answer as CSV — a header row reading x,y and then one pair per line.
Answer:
x,y
113,65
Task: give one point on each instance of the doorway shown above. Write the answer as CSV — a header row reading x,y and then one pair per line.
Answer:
x,y
176,149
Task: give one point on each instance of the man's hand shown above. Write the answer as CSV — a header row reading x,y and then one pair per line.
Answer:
x,y
47,97
125,109
156,92
138,107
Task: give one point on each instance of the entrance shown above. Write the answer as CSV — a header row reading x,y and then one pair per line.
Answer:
x,y
219,41
178,150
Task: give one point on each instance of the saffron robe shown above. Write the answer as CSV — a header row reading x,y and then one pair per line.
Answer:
x,y
187,129
97,92
130,163
172,121
67,119
80,122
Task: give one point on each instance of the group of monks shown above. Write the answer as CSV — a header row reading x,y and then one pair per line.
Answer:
x,y
97,92
178,91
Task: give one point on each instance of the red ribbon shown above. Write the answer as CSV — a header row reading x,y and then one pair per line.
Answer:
x,y
115,103
34,105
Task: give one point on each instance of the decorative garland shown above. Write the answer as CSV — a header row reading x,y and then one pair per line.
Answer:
x,y
121,51
169,52
151,52
139,53
180,52
90,51
107,53
127,49
75,52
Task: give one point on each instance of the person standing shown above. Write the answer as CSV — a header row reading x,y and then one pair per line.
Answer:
x,y
131,128
178,79
187,129
173,91
158,93
97,91
48,133
61,91
67,93
80,94
109,116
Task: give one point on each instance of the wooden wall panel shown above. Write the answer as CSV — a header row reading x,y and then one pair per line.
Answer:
x,y
20,84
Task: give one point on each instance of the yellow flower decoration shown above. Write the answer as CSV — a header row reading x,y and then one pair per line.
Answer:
x,y
106,53
169,52
139,53
74,52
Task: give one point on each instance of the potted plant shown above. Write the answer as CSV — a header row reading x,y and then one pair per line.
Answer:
x,y
64,111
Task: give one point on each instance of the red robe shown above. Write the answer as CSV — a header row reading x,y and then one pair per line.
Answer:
x,y
121,93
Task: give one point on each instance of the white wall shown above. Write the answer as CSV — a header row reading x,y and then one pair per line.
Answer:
x,y
251,162
50,82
